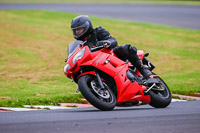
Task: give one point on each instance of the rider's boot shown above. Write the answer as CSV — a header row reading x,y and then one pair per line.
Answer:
x,y
136,61
144,71
142,68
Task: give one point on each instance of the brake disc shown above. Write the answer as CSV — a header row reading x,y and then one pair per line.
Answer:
x,y
104,93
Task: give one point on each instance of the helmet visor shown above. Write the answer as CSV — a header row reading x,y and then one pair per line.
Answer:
x,y
81,30
78,31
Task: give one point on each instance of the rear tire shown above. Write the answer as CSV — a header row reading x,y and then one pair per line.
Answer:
x,y
160,98
103,99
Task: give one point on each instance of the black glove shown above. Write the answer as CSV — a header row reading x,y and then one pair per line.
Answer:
x,y
105,43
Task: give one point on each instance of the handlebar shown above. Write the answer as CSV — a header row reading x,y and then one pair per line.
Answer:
x,y
96,48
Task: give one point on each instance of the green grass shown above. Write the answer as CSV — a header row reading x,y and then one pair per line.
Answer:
x,y
180,2
33,46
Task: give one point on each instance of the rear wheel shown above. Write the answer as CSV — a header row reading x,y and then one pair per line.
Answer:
x,y
160,95
103,99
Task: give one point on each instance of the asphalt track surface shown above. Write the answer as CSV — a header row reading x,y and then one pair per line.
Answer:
x,y
178,117
183,16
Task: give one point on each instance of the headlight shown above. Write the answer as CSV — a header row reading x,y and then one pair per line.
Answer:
x,y
66,67
79,55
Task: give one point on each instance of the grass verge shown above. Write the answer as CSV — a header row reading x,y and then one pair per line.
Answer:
x,y
33,46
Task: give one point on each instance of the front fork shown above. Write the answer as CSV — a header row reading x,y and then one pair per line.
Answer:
x,y
95,73
99,79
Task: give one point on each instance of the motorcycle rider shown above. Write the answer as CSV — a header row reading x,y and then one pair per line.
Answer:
x,y
83,30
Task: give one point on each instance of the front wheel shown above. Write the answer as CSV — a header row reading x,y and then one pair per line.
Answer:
x,y
103,99
160,95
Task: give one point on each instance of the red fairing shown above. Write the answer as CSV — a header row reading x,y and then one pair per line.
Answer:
x,y
105,60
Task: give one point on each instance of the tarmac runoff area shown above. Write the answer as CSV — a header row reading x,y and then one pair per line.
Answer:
x,y
182,98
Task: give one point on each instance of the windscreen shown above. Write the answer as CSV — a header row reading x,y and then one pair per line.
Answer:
x,y
73,47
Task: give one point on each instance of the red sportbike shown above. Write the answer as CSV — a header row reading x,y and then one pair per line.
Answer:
x,y
106,81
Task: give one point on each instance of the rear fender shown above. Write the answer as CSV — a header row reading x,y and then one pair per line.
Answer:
x,y
145,61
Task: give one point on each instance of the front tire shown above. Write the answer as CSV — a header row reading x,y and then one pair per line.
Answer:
x,y
103,99
160,98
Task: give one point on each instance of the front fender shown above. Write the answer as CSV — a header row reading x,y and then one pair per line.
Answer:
x,y
86,73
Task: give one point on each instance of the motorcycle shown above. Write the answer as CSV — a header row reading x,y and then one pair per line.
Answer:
x,y
106,81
